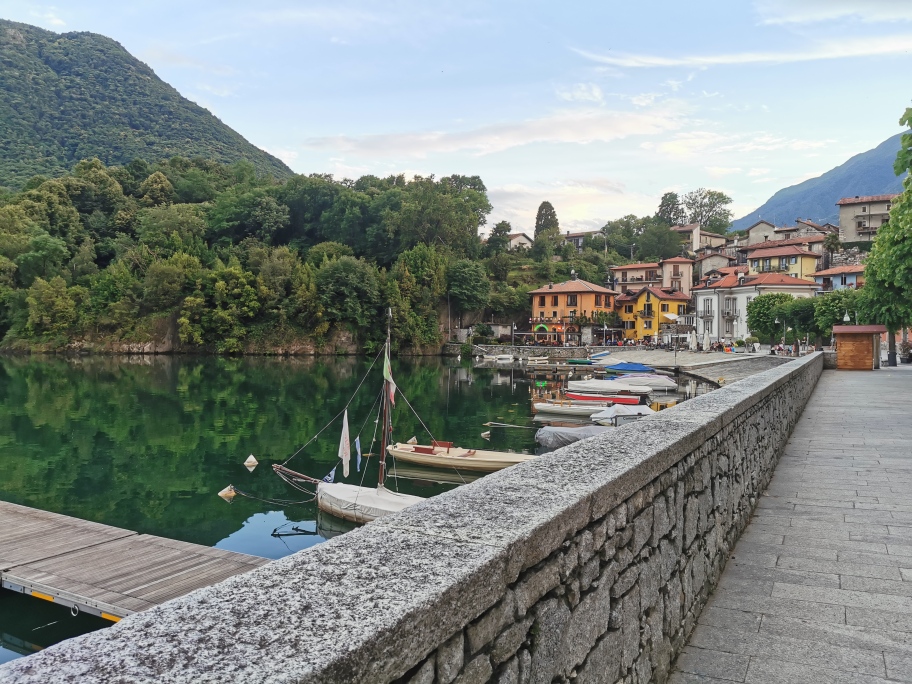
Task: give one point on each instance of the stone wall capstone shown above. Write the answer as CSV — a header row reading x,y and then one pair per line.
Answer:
x,y
588,564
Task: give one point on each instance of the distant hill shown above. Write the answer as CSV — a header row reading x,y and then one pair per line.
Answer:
x,y
868,173
66,97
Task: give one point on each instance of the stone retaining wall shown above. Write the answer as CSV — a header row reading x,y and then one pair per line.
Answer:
x,y
451,349
591,563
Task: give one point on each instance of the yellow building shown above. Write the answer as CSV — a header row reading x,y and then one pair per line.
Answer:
x,y
794,260
643,313
558,309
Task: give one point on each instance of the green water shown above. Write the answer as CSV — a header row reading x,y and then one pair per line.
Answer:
x,y
145,443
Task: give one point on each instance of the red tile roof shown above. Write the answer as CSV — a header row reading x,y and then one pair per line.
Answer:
x,y
630,267
866,329
717,254
689,228
656,292
866,198
788,250
733,280
807,239
677,260
839,270
571,286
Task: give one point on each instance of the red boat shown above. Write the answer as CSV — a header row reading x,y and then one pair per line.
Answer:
x,y
631,399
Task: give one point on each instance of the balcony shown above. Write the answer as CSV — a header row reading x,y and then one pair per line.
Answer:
x,y
731,313
706,314
645,313
772,268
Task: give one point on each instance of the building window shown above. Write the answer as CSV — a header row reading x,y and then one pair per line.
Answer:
x,y
682,309
888,206
541,300
571,300
766,264
651,275
541,314
794,260
864,210
628,308
598,300
845,280
675,284
647,325
755,263
859,224
554,314
664,308
554,300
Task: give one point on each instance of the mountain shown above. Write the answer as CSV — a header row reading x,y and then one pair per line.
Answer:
x,y
71,96
868,173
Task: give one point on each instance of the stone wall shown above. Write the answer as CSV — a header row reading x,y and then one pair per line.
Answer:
x,y
588,564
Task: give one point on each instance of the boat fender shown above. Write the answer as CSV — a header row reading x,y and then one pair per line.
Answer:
x,y
228,493
251,462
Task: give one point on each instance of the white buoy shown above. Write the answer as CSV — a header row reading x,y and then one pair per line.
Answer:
x,y
458,357
251,462
486,435
228,493
413,440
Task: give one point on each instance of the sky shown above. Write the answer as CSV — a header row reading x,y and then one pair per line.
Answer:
x,y
597,107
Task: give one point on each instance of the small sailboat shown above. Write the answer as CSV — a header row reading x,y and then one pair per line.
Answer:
x,y
352,502
607,387
445,455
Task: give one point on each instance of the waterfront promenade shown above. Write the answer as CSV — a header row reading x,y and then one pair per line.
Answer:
x,y
819,587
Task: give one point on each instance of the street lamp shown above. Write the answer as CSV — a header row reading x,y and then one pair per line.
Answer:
x,y
846,319
513,334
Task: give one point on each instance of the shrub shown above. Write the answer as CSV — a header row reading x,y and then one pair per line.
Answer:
x,y
751,340
739,343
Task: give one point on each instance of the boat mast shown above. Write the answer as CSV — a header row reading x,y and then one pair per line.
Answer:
x,y
386,405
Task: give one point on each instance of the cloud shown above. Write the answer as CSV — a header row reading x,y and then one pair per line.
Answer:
x,y
324,18
163,55
581,92
218,91
693,143
812,11
49,16
644,99
581,204
753,173
580,126
720,171
832,49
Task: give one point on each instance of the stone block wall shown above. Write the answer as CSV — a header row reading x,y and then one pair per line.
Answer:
x,y
589,564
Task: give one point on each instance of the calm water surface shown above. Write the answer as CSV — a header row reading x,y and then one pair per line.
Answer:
x,y
146,444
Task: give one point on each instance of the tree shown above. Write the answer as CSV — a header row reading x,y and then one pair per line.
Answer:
x,y
156,190
499,239
888,270
671,211
762,312
327,251
831,243
546,219
832,307
709,209
801,315
468,285
658,242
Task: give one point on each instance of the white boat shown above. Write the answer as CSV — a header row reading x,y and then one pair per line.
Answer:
x,y
537,360
445,455
651,380
620,414
569,409
504,358
607,387
552,437
352,502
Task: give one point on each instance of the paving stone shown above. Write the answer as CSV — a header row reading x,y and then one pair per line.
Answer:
x,y
877,586
718,664
899,666
768,670
839,568
730,619
874,559
778,574
851,636
856,599
797,650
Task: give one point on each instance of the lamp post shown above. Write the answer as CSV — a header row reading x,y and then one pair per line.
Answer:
x,y
513,334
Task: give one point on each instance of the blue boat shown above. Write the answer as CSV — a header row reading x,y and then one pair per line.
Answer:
x,y
628,367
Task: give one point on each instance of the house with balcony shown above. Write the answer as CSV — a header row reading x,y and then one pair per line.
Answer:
x,y
577,239
643,312
840,278
675,273
695,238
560,311
720,304
794,260
764,231
520,241
861,216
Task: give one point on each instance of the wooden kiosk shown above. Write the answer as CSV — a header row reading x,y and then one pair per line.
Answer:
x,y
858,346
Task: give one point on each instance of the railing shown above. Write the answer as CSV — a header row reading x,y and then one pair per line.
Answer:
x,y
646,313
706,314
731,313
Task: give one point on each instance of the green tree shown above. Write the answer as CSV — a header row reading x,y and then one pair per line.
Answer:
x,y
801,315
327,251
832,307
709,208
831,243
671,211
52,307
156,190
349,292
468,286
546,219
658,242
762,313
499,239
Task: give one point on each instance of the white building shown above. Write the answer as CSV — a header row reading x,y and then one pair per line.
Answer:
x,y
721,305
520,241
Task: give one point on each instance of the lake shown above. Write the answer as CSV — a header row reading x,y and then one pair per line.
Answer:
x,y
146,443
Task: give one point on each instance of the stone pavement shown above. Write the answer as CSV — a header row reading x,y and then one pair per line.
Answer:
x,y
819,587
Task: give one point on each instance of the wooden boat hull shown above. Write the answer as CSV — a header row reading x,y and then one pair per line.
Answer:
x,y
361,504
456,457
583,410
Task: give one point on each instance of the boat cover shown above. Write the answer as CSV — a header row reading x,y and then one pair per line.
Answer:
x,y
613,412
627,367
554,437
606,387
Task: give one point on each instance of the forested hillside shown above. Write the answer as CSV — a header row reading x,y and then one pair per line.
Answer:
x,y
237,261
868,173
72,96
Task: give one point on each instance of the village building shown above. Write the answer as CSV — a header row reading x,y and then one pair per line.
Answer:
x,y
577,239
840,278
720,305
520,241
560,311
695,238
675,273
643,312
795,260
861,216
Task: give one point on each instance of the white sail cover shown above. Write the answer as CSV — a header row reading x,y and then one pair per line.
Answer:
x,y
613,412
650,380
554,437
345,445
606,387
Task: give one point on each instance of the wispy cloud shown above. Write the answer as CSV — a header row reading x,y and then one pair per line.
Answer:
x,y
169,57
833,49
218,91
812,11
645,99
691,144
578,126
49,16
721,171
322,17
581,92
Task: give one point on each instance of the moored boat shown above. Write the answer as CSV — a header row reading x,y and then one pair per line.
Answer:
x,y
618,415
631,399
581,409
607,387
445,455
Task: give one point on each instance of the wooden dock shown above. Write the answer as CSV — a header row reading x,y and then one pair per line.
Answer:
x,y
104,570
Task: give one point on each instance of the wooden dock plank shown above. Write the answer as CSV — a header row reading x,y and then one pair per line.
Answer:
x,y
106,568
